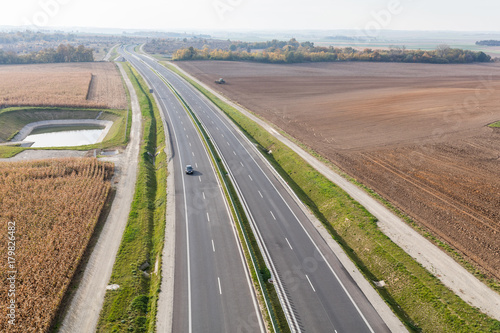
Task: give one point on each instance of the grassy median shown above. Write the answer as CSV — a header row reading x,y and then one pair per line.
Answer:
x,y
420,300
137,269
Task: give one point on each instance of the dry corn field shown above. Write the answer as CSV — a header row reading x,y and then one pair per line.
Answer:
x,y
95,85
55,205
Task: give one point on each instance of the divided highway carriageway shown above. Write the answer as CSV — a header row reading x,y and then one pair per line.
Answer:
x,y
317,293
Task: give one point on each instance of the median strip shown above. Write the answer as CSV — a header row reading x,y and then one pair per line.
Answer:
x,y
274,313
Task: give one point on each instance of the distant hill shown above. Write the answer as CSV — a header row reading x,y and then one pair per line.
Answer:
x,y
489,42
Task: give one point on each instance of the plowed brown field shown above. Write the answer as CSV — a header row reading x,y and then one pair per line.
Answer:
x,y
415,133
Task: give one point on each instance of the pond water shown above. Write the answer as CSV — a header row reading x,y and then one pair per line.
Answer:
x,y
64,136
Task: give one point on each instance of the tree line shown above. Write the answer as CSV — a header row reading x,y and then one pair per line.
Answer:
x,y
32,36
489,42
294,52
63,53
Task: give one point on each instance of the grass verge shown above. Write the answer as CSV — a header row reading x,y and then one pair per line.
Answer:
x,y
137,268
419,299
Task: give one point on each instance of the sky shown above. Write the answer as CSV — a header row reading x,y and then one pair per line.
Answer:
x,y
177,15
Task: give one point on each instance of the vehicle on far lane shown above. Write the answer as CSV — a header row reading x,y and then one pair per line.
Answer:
x,y
189,169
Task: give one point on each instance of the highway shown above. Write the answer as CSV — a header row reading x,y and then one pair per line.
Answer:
x,y
318,295
213,291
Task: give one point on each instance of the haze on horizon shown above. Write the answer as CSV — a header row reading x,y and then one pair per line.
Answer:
x,y
444,15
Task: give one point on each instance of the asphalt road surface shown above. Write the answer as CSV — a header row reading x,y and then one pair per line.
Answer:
x,y
317,293
213,291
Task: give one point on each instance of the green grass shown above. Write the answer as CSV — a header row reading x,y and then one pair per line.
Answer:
x,y
161,57
114,54
10,151
495,125
132,308
420,300
14,119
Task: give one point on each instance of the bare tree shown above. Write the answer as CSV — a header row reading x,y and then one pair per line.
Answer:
x,y
442,50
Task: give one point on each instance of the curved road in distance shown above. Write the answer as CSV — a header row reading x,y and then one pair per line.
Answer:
x,y
318,294
213,291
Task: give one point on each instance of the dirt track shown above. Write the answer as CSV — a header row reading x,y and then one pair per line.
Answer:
x,y
415,133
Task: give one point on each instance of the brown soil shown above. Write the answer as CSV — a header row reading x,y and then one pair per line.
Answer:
x,y
66,84
415,133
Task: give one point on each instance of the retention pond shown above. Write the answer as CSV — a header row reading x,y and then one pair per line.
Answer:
x,y
63,133
66,136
